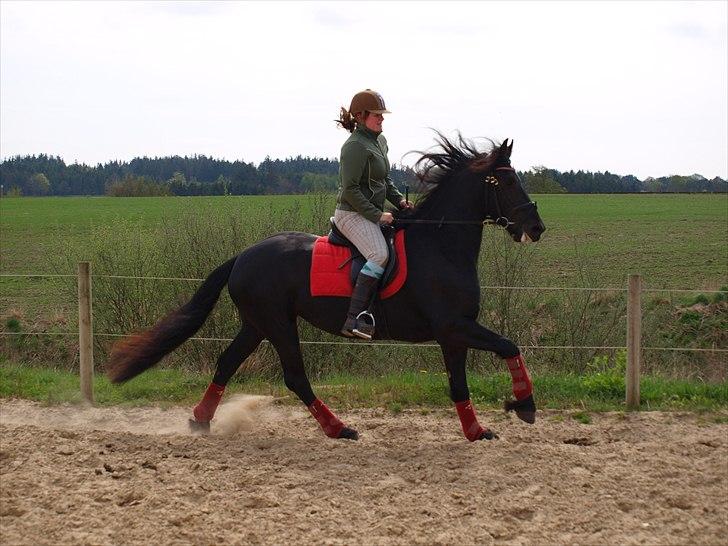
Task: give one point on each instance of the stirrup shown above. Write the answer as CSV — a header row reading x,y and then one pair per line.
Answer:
x,y
365,325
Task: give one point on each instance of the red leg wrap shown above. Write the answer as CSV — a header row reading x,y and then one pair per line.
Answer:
x,y
328,421
522,386
205,410
472,429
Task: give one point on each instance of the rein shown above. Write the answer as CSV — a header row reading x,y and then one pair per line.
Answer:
x,y
501,220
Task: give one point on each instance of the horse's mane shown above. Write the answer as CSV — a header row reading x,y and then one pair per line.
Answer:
x,y
435,168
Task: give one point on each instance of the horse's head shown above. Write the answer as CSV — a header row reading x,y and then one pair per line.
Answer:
x,y
506,203
467,185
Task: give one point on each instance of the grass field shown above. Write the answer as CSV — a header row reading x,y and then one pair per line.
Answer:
x,y
678,241
33,231
674,241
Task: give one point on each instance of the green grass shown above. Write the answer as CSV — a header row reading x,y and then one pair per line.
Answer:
x,y
393,391
33,230
592,240
676,241
673,240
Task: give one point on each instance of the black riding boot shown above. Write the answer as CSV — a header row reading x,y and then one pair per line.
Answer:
x,y
360,298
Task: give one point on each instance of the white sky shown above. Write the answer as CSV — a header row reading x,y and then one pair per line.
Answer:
x,y
630,87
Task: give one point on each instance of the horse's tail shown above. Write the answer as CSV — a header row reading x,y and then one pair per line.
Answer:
x,y
138,353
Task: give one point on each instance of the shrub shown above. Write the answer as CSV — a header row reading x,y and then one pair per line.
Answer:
x,y
12,325
137,186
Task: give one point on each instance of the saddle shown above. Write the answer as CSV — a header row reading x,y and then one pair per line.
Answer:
x,y
358,260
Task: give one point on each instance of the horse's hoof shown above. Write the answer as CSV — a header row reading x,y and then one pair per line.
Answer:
x,y
525,409
488,434
348,434
527,416
199,427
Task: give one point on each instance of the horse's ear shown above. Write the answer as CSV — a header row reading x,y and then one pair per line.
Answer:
x,y
505,149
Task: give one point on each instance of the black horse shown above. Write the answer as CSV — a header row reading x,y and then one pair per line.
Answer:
x,y
269,283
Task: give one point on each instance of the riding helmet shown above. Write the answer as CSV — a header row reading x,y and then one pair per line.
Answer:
x,y
369,101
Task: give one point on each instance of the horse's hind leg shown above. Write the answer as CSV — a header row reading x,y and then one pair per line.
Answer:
x,y
228,362
455,363
285,340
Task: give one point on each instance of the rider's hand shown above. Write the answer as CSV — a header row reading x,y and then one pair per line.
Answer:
x,y
386,218
404,204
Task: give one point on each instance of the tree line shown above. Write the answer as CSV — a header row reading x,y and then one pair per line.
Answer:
x,y
201,175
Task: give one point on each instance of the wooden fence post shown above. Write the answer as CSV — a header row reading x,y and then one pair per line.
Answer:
x,y
85,331
634,342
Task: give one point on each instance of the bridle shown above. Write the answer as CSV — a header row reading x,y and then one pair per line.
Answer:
x,y
500,220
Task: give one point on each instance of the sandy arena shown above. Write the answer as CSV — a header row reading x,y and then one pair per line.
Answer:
x,y
267,475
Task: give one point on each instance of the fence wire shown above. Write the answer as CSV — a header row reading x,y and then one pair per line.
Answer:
x,y
483,287
380,344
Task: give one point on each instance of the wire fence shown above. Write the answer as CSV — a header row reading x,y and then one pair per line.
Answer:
x,y
387,344
633,348
483,287
392,344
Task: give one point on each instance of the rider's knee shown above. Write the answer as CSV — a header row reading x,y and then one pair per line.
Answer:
x,y
379,257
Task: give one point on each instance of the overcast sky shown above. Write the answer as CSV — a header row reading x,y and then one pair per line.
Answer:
x,y
629,87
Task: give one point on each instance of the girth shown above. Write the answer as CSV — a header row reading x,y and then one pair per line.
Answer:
x,y
358,260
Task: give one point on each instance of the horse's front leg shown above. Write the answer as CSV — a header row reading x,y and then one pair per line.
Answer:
x,y
459,394
468,333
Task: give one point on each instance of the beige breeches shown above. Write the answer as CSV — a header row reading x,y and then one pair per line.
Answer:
x,y
365,235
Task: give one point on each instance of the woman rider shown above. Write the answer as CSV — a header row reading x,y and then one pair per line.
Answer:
x,y
364,184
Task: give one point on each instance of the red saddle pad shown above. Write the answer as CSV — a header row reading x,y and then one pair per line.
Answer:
x,y
328,278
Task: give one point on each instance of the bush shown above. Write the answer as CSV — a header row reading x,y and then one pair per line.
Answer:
x,y
605,385
722,295
12,325
700,299
137,186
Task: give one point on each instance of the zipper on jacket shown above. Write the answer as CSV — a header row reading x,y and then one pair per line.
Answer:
x,y
369,177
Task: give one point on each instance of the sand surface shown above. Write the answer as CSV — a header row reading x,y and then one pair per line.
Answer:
x,y
267,475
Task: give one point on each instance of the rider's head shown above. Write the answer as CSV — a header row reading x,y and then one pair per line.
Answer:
x,y
367,108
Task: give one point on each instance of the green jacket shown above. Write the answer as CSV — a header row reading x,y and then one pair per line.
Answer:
x,y
364,181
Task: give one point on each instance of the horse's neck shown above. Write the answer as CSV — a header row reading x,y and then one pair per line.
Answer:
x,y
460,243
456,201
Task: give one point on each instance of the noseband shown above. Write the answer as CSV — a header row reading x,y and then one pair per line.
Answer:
x,y
500,220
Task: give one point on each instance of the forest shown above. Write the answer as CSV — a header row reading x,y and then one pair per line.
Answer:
x,y
37,175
